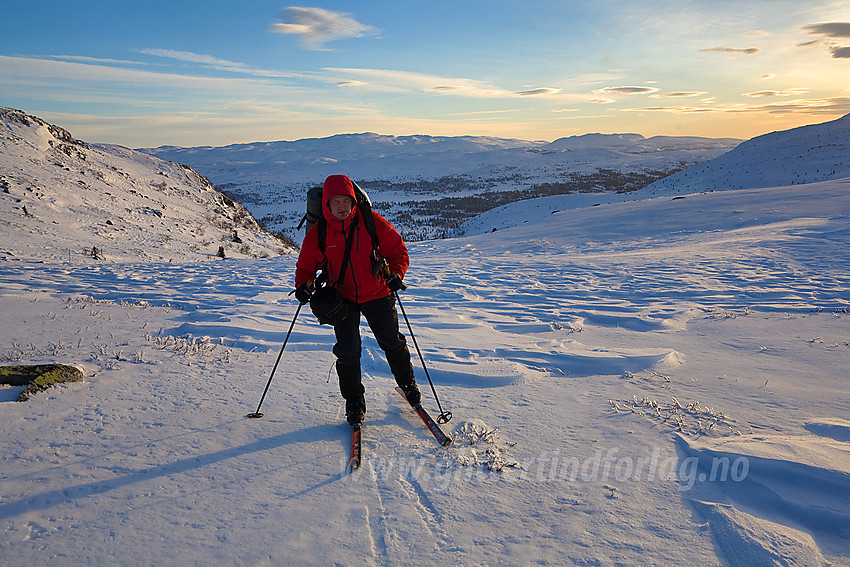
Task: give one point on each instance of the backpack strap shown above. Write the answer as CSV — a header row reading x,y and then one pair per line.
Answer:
x,y
369,223
322,227
364,205
346,258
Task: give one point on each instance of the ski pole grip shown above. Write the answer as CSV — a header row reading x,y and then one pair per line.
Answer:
x,y
384,268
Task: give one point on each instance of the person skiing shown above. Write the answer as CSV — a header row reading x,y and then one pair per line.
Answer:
x,y
366,273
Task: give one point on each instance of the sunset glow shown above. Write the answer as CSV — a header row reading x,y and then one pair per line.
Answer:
x,y
215,73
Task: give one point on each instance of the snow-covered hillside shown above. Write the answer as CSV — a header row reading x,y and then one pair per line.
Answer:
x,y
65,200
427,185
808,154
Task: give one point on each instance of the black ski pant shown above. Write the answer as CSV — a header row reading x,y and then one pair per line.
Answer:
x,y
382,317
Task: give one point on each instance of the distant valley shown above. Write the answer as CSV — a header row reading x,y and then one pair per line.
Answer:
x,y
428,186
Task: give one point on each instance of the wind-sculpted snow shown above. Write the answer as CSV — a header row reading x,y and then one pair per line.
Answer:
x,y
748,541
799,480
597,363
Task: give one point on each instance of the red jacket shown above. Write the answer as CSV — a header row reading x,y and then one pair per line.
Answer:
x,y
359,285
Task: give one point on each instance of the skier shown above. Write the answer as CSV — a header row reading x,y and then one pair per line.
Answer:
x,y
366,278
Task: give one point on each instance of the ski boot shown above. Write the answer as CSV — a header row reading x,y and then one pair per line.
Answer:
x,y
355,412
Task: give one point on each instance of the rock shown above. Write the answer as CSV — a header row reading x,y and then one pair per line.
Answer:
x,y
38,377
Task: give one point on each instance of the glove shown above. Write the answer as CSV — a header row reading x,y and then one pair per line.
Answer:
x,y
394,282
303,293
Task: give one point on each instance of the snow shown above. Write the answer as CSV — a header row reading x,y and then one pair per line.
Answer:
x,y
659,381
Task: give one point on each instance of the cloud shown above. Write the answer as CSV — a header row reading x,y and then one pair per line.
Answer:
x,y
732,50
63,74
316,26
840,52
536,92
482,112
626,90
679,94
98,60
213,62
199,58
831,29
673,109
389,80
820,106
790,92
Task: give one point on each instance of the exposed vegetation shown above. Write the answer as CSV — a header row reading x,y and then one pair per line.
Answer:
x,y
420,219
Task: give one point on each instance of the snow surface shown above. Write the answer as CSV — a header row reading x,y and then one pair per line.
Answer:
x,y
659,381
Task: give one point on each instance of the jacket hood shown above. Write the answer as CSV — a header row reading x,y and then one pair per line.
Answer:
x,y
334,186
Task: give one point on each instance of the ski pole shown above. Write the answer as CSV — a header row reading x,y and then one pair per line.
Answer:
x,y
269,383
444,416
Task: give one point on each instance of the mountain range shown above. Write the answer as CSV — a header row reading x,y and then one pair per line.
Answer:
x,y
428,185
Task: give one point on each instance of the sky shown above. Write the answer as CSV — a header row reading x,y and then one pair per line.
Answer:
x,y
191,73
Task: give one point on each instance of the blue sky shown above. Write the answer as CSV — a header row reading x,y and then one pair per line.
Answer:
x,y
192,73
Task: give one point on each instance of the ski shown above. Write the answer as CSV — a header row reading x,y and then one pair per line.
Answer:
x,y
432,426
354,459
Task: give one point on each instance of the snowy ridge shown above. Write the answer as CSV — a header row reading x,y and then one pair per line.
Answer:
x,y
808,154
370,157
65,200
